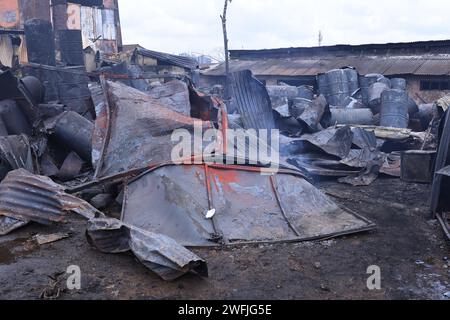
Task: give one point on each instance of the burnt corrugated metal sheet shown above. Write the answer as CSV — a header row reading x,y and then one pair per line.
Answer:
x,y
435,66
108,46
138,130
34,9
66,84
249,207
404,66
6,51
179,61
88,27
110,4
382,49
289,67
159,253
109,31
99,29
88,3
8,225
71,47
25,196
59,17
252,101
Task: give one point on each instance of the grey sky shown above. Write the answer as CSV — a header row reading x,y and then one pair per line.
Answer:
x,y
177,26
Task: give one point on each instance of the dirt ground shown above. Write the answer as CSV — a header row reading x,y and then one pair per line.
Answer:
x,y
411,252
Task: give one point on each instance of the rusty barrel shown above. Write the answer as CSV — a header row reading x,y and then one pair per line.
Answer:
x,y
394,109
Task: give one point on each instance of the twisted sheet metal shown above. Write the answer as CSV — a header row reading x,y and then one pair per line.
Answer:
x,y
250,207
28,197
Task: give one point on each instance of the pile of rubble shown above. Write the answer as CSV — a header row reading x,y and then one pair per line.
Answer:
x,y
104,141
73,143
355,128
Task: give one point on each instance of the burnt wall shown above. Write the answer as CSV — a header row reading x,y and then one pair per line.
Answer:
x,y
414,88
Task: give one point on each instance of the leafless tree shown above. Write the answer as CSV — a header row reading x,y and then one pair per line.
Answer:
x,y
320,38
223,17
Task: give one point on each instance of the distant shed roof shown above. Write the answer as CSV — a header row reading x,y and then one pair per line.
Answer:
x,y
380,49
171,59
290,67
416,58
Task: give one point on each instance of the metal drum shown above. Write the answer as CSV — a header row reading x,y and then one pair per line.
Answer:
x,y
322,84
35,87
352,116
353,80
386,81
413,108
305,92
289,92
375,92
394,109
338,86
74,132
366,82
398,83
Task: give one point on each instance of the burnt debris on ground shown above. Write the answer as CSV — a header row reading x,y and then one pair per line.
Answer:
x,y
75,140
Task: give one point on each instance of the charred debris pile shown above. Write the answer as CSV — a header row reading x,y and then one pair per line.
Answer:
x,y
99,147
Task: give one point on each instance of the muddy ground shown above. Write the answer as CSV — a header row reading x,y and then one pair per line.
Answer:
x,y
411,252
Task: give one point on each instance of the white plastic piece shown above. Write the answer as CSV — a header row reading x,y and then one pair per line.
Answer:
x,y
210,214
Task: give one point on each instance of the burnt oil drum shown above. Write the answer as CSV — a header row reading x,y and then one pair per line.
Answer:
x,y
394,109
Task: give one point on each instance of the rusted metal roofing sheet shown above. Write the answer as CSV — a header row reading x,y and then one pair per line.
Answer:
x,y
252,101
404,66
436,66
138,129
24,196
159,253
418,48
183,62
289,67
99,29
9,14
37,9
370,65
108,25
110,4
249,207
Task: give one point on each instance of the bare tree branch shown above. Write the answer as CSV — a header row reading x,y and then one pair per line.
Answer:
x,y
223,17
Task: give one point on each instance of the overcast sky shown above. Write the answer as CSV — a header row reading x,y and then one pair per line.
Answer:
x,y
177,26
